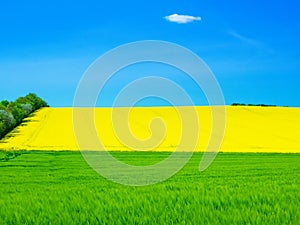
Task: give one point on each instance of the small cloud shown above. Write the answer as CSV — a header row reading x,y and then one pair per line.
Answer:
x,y
175,18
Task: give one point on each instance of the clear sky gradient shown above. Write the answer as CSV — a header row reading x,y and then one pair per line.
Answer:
x,y
251,46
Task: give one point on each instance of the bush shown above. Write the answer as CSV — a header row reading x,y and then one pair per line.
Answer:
x,y
7,118
2,129
13,113
17,111
4,103
262,105
32,99
27,108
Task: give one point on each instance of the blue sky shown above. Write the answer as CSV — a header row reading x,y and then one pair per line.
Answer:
x,y
251,46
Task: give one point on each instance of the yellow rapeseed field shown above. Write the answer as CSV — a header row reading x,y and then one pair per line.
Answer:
x,y
248,129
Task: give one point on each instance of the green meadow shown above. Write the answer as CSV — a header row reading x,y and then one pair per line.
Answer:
x,y
39,187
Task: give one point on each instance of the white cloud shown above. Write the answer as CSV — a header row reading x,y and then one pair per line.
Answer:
x,y
175,18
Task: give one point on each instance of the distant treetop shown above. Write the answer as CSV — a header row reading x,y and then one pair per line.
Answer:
x,y
262,105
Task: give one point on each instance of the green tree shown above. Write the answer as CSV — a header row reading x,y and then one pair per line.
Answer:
x,y
32,99
17,111
27,108
12,113
2,129
4,103
8,119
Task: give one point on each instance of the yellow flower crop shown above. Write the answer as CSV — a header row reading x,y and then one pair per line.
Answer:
x,y
248,129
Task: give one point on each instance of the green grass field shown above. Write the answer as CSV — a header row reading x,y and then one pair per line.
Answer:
x,y
60,188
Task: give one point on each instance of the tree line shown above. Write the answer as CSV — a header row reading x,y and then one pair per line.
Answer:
x,y
13,113
262,105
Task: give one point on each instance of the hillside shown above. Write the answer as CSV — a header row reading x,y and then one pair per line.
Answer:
x,y
248,129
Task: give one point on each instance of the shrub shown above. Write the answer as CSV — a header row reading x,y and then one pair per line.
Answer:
x,y
27,108
13,113
7,118
4,103
32,99
2,129
17,111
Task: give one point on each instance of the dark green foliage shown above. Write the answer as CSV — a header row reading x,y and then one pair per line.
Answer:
x,y
60,188
262,105
13,113
7,122
17,111
2,128
5,156
27,108
238,104
32,99
4,103
7,118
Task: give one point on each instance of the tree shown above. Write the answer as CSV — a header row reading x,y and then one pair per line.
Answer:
x,y
13,113
27,108
2,107
17,111
32,99
2,129
4,103
7,118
